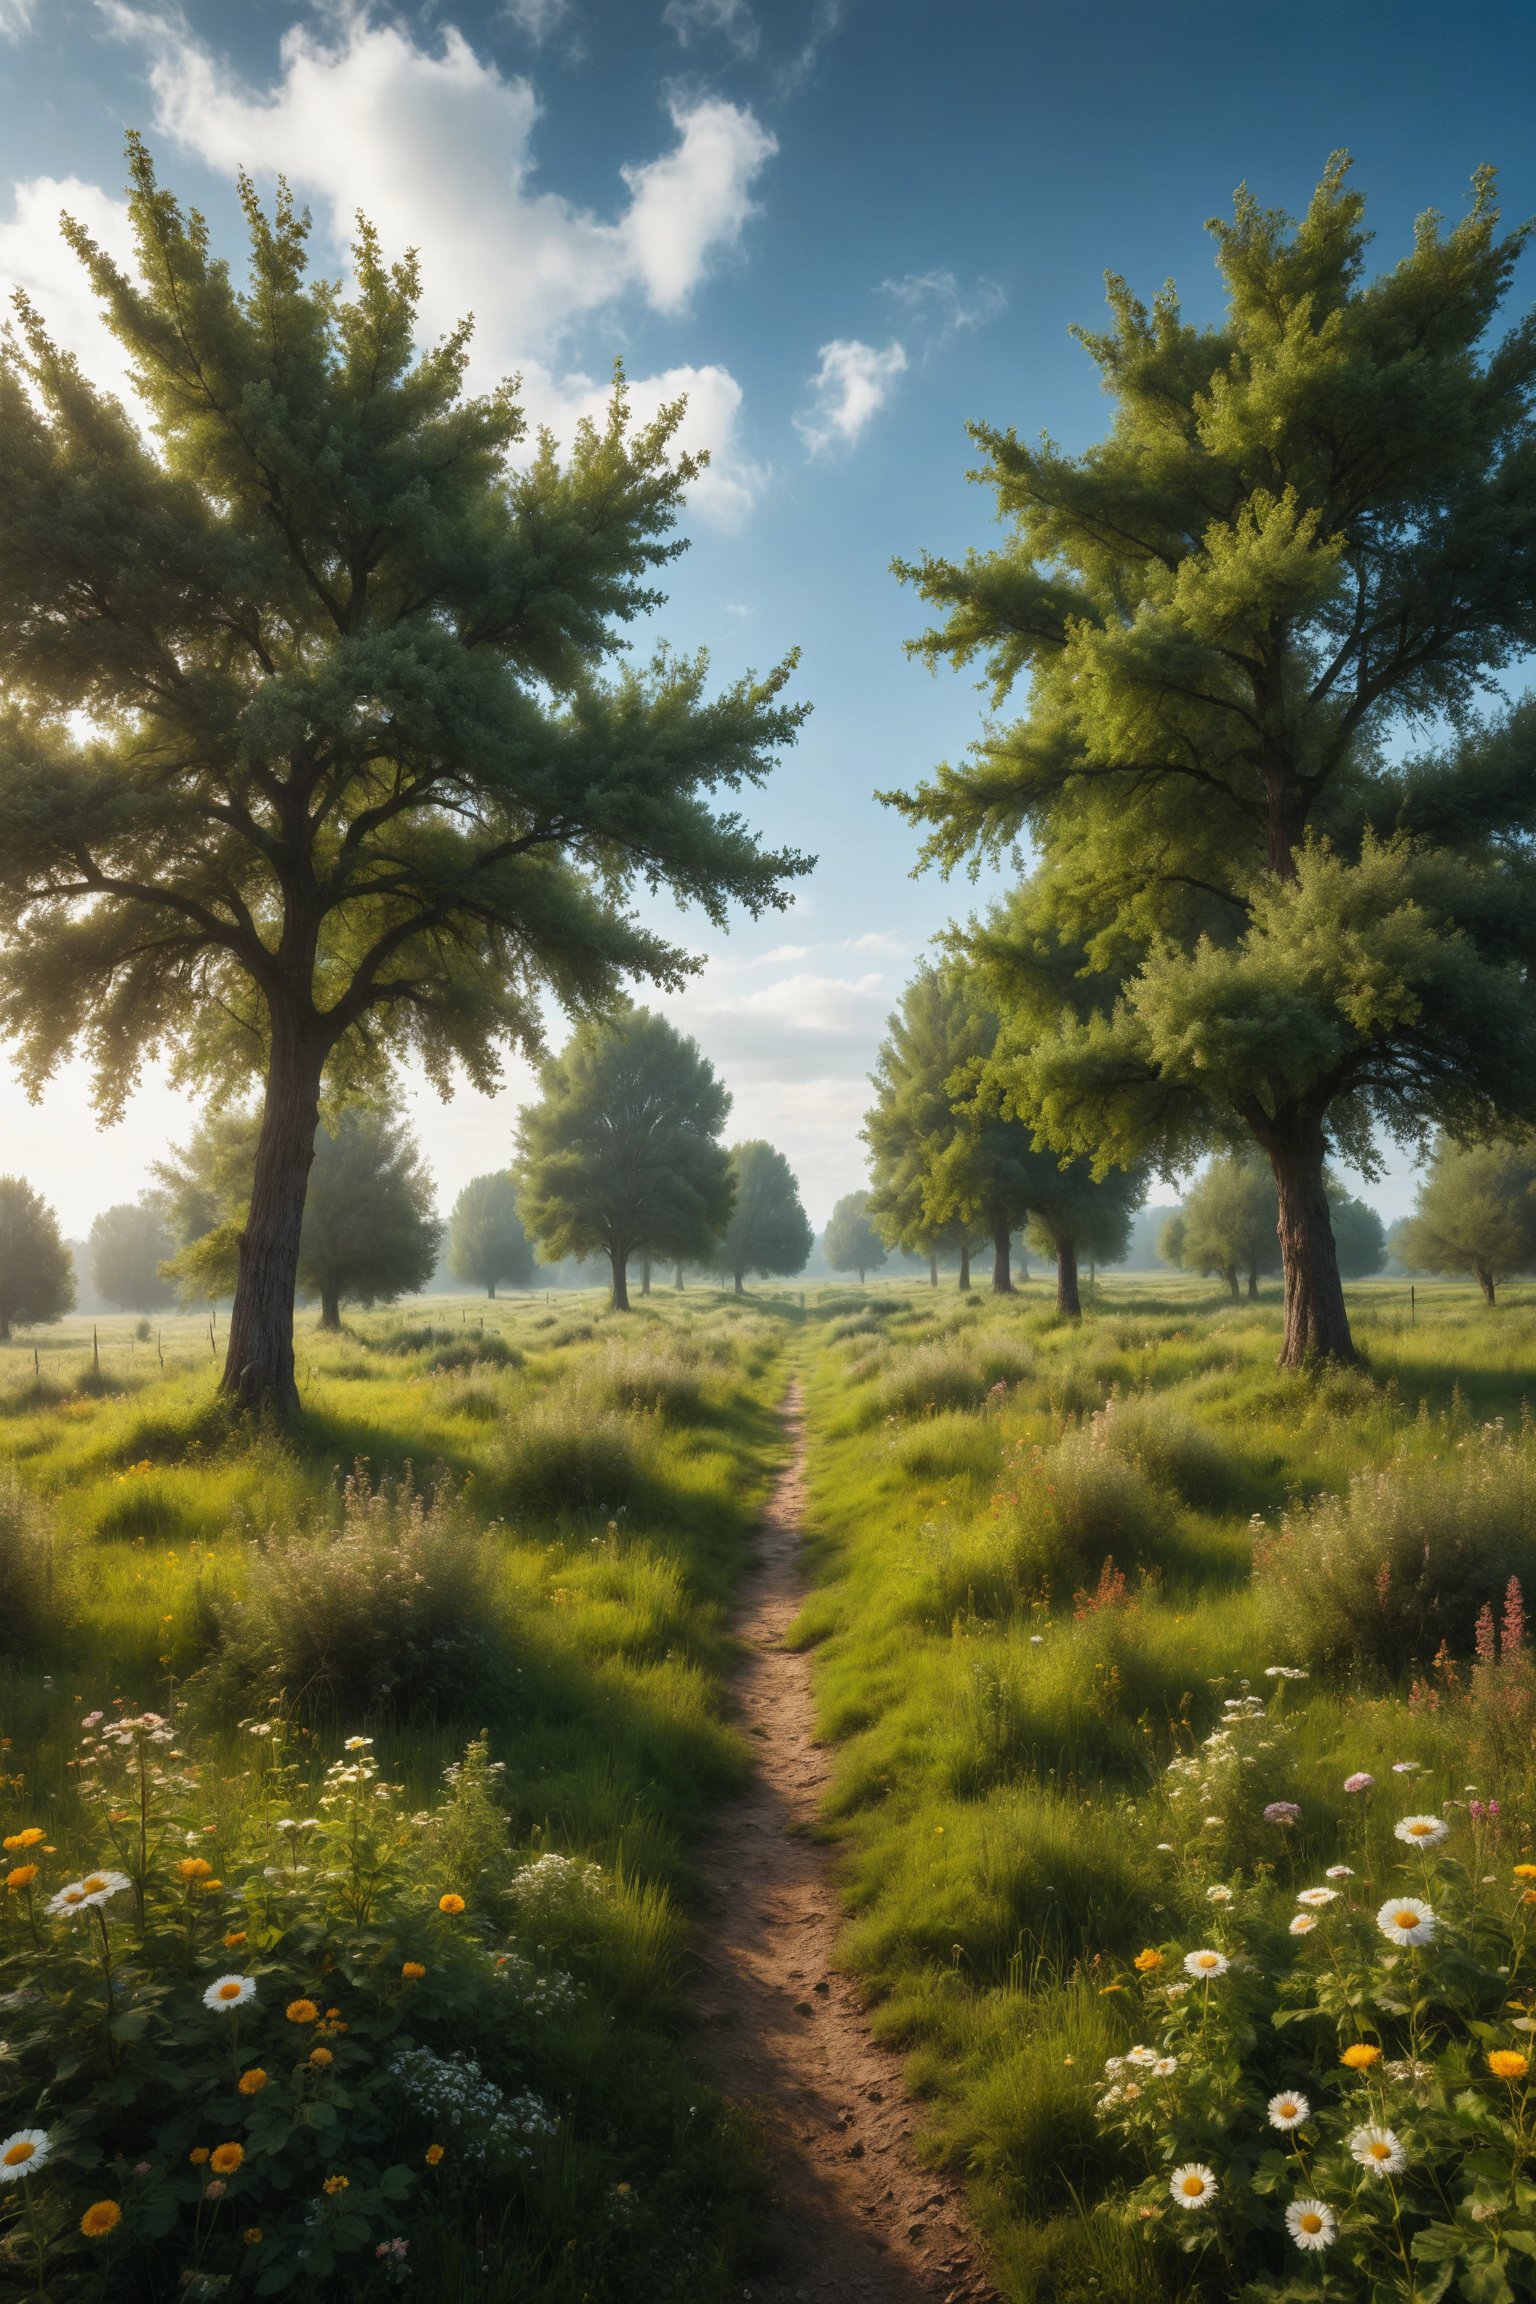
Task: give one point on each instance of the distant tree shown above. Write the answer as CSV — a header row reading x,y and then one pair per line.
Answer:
x,y
37,1280
1227,1223
1359,1235
1475,1212
206,1184
769,1231
1074,1214
850,1242
359,779
913,1118
621,1154
128,1244
487,1245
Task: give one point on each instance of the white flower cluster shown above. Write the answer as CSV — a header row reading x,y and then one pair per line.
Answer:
x,y
543,1994
455,2094
552,1882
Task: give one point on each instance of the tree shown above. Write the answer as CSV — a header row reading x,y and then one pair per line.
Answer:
x,y
37,1280
1307,528
621,1154
128,1244
370,1230
486,1241
850,1242
1076,1214
1228,1223
1358,1233
311,758
1475,1212
769,1231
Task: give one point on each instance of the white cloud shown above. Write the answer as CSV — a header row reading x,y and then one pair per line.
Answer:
x,y
800,1027
539,19
851,386
936,302
729,20
35,256
727,490
15,18
694,198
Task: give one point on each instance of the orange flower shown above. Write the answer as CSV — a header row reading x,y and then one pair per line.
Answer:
x,y
320,2056
1529,1897
1508,2064
451,1904
234,1940
209,1887
194,1868
27,1839
1361,2056
1145,1962
102,2217
434,2153
227,2158
251,2083
252,2235
302,2012
335,2184
198,2155
1522,1871
412,1971
21,1876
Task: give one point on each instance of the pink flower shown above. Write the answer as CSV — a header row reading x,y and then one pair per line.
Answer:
x,y
1359,1782
1282,1812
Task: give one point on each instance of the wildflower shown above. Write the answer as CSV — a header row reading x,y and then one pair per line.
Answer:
x,y
1317,1899
102,2217
434,2154
1360,2056
451,1904
1421,1831
1139,2055
194,1868
1284,1672
20,1876
357,1743
302,2012
226,1992
252,2235
335,2184
1165,2067
1406,1920
1405,1767
1146,1961
1287,2110
1508,2064
1378,2150
1339,1872
1525,1871
227,2158
216,2190
1359,1782
251,2083
1303,1924
23,2154
1283,1812
1311,2224
234,1939
1193,2185
320,2057
1219,1895
15,1841
1205,1964
412,1971
199,2155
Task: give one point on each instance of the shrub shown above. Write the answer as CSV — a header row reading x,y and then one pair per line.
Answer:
x,y
948,1447
664,1382
1169,1448
382,1616
930,1378
566,1453
30,1573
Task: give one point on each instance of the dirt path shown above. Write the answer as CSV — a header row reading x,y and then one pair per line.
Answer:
x,y
861,2222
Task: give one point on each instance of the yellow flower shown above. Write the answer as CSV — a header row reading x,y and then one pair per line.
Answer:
x,y
198,2155
194,1868
1508,2064
102,2217
209,1887
1145,1962
302,2012
252,2235
434,2154
21,1876
1522,1871
1361,2056
1529,1897
27,1839
252,2082
320,2056
234,1940
227,2158
412,1971
335,2184
451,1904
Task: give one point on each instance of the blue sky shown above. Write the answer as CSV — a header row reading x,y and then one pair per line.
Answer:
x,y
844,227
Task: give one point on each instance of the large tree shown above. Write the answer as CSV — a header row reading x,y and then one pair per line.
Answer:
x,y
37,1279
913,1124
311,755
851,1242
486,1241
1308,527
621,1155
128,1244
769,1231
1475,1212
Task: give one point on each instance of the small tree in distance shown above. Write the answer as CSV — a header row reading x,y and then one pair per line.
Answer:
x,y
1227,1223
370,1231
621,1154
128,1245
1475,1212
851,1242
769,1232
37,1280
487,1245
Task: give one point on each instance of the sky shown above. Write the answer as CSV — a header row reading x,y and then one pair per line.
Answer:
x,y
841,227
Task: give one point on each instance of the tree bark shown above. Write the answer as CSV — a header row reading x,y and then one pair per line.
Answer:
x,y
258,1364
740,1290
620,1267
965,1268
1316,1322
1253,1283
330,1308
1002,1273
1231,1278
1485,1282
1067,1298
678,1282
933,1267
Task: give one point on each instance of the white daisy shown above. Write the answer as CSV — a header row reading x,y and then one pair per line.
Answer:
x,y
1114,2064
1421,1831
1316,1898
1205,1964
1139,2055
1193,2185
1379,2150
1339,1872
1303,1924
71,1898
1219,1895
1311,2224
1288,2110
357,1743
229,1992
1405,1767
23,2154
96,1887
1406,1920
1165,2067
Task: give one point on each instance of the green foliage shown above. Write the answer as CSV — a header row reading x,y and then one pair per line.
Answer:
x,y
1475,1212
37,1281
1227,1223
930,1040
487,1245
769,1232
128,1244
31,1575
369,1231
621,1153
850,1242
566,1453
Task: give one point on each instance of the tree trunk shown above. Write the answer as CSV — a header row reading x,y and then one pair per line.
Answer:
x,y
1067,1297
1231,1278
933,1267
965,1268
1316,1322
678,1282
645,1275
490,1289
330,1308
620,1266
736,1277
1002,1274
258,1365
1253,1283
1485,1282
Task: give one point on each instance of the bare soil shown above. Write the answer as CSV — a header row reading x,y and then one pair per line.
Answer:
x,y
859,2220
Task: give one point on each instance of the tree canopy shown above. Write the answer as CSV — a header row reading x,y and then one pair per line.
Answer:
x,y
912,1121
37,1279
314,749
127,1246
487,1246
1308,526
1475,1212
621,1154
769,1232
851,1242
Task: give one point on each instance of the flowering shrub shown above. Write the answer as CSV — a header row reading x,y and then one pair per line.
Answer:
x,y
236,2058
